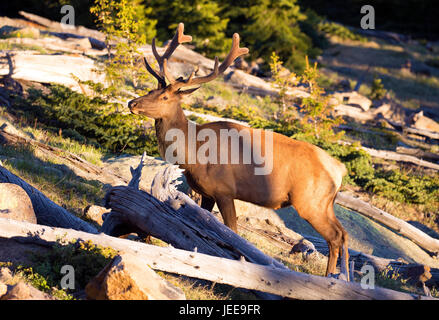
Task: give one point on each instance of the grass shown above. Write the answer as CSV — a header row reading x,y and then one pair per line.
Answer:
x,y
53,178
7,45
44,270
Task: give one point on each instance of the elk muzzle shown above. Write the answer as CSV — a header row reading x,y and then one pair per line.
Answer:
x,y
133,105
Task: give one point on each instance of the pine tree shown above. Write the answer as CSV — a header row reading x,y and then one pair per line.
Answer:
x,y
270,25
201,19
126,28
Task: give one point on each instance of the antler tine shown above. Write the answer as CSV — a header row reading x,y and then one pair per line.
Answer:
x,y
178,38
161,80
167,74
234,53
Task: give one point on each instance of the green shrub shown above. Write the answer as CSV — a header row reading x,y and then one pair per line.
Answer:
x,y
88,119
377,89
86,258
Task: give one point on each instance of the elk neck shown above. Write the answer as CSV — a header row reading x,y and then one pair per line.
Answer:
x,y
177,120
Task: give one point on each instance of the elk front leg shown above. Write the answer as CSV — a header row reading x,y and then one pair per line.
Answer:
x,y
207,203
227,209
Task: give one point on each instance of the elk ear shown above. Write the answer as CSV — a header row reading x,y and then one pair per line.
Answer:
x,y
188,91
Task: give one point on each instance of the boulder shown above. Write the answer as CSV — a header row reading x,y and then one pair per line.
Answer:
x,y
95,213
15,203
390,110
419,121
23,291
125,278
5,275
353,98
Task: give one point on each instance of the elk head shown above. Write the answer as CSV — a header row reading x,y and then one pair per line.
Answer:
x,y
164,101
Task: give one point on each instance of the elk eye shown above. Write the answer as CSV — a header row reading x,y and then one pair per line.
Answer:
x,y
165,98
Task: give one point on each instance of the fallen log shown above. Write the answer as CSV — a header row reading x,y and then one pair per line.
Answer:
x,y
175,218
380,264
97,38
236,273
359,258
407,230
422,132
47,212
391,155
45,68
418,153
395,156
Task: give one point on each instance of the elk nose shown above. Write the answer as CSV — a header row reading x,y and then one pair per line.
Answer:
x,y
132,104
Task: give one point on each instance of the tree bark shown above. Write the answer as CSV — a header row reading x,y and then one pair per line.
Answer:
x,y
390,155
236,273
177,220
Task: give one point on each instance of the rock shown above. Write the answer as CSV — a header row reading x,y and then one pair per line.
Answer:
x,y
125,279
390,110
419,121
5,275
95,213
353,98
9,128
27,32
15,203
179,69
216,101
3,289
241,64
24,291
47,68
81,43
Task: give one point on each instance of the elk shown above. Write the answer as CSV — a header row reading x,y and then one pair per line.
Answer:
x,y
302,175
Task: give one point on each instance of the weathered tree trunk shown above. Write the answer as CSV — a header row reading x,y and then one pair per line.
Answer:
x,y
417,236
390,155
359,258
236,273
422,132
418,153
47,212
47,68
97,38
175,219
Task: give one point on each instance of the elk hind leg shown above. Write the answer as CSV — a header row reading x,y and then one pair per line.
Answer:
x,y
344,263
333,235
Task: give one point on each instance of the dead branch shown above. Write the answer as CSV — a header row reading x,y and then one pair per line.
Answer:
x,y
236,273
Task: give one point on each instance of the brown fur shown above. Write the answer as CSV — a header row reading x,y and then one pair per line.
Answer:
x,y
303,175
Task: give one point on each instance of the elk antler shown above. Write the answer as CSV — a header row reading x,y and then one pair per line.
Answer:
x,y
178,38
234,53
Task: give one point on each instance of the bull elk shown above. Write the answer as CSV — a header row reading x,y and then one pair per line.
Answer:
x,y
301,175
